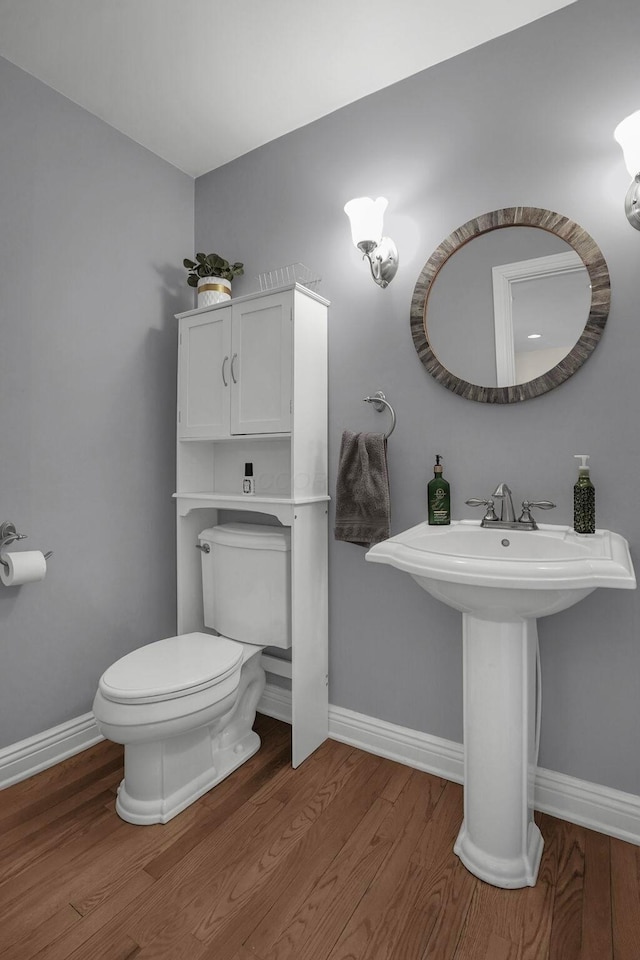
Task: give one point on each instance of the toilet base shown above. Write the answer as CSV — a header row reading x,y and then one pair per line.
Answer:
x,y
161,809
163,777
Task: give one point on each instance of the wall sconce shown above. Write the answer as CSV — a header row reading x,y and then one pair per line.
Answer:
x,y
366,217
627,133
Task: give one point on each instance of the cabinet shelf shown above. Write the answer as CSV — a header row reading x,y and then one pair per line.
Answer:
x,y
243,498
236,438
280,507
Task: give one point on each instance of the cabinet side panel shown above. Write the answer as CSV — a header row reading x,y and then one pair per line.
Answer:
x,y
309,432
309,585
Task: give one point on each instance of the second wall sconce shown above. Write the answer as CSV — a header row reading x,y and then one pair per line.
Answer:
x,y
366,216
627,133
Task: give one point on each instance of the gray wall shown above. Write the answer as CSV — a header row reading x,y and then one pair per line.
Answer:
x,y
93,229
526,119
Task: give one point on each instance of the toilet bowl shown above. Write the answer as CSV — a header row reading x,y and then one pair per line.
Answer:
x,y
184,706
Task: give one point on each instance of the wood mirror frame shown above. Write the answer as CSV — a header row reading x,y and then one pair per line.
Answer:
x,y
590,254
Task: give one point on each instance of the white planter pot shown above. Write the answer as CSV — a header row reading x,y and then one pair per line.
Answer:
x,y
213,290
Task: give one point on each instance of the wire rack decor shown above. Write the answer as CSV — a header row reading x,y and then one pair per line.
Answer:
x,y
284,276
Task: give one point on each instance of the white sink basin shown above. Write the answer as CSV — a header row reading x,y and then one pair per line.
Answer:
x,y
503,575
502,580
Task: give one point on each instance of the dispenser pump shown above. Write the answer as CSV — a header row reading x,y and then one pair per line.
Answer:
x,y
437,466
582,466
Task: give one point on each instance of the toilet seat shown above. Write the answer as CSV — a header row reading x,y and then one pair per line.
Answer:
x,y
171,668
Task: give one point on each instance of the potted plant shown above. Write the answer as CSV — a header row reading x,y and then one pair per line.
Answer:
x,y
212,275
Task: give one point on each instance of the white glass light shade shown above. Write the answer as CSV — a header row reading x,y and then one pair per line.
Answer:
x,y
627,133
366,216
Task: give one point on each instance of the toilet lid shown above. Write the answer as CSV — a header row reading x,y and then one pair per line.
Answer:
x,y
170,668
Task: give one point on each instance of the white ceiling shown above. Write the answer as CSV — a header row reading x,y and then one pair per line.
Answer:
x,y
200,82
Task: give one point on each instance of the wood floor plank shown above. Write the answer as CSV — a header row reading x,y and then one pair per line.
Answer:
x,y
180,946
35,894
408,932
597,926
45,804
292,918
536,921
380,917
35,846
59,781
91,926
397,781
105,778
625,901
445,900
38,938
319,922
494,923
445,822
117,946
566,925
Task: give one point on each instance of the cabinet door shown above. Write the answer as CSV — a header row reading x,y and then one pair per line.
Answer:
x,y
204,371
261,365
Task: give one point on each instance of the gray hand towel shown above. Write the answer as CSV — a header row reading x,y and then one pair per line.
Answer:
x,y
363,504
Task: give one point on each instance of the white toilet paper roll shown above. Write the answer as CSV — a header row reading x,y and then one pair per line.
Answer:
x,y
28,566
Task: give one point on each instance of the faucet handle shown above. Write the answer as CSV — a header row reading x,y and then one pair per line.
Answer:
x,y
527,505
475,502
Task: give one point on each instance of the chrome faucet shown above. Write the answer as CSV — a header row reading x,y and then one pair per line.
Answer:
x,y
503,493
507,519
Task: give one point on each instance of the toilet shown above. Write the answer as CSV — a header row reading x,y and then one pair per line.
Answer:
x,y
184,706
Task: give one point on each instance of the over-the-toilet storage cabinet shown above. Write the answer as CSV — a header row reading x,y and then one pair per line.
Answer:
x,y
252,387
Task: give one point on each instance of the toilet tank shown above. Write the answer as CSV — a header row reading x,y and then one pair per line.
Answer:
x,y
246,582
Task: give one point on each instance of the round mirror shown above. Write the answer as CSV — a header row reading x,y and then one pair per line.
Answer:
x,y
512,314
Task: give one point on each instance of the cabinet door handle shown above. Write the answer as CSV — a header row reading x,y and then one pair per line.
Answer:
x,y
233,360
224,379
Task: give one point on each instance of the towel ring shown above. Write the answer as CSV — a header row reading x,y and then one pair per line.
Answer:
x,y
379,401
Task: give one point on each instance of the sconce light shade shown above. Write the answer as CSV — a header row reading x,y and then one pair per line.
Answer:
x,y
366,217
627,133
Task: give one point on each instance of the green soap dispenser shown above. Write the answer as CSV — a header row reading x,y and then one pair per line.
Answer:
x,y
438,497
584,499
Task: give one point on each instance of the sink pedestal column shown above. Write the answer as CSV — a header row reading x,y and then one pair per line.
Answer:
x,y
499,841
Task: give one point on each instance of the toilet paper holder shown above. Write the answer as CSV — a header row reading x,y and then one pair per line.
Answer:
x,y
9,534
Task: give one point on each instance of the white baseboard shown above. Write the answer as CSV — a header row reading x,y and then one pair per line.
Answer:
x,y
276,702
588,804
21,760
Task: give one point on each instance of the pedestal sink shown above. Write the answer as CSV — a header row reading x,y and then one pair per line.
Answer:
x,y
502,581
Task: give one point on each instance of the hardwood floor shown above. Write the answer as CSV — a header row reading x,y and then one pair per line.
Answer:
x,y
347,858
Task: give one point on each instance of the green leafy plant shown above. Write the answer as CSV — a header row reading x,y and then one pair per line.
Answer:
x,y
211,265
